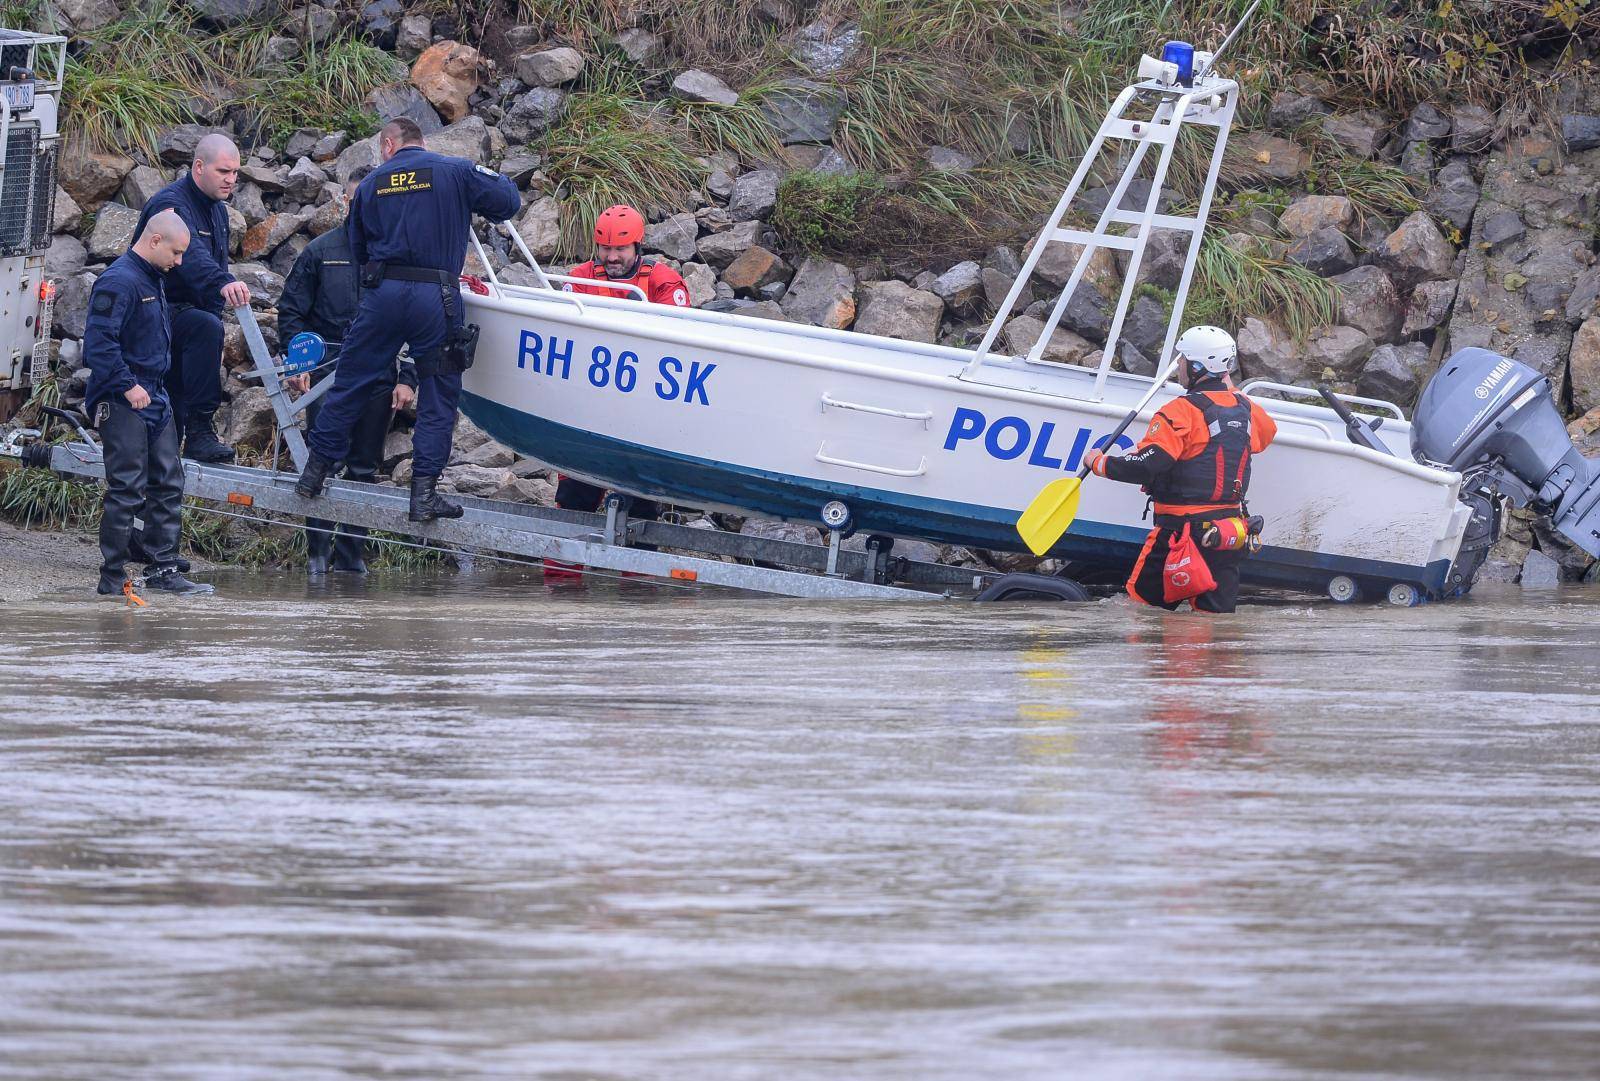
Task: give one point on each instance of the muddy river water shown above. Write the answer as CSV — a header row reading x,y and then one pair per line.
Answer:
x,y
481,827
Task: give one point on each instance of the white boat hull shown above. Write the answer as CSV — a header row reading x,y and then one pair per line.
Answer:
x,y
725,412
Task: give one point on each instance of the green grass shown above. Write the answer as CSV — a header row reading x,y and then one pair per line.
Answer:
x,y
817,212
38,497
324,88
1235,282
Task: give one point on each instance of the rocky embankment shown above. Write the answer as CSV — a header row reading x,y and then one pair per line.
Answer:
x,y
1501,252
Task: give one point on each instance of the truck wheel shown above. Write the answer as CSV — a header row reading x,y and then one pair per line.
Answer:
x,y
1405,595
1344,589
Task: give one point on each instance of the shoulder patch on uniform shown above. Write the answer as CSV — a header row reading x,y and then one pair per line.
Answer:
x,y
103,302
485,170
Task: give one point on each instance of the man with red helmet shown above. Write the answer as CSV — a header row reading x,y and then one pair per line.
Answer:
x,y
618,234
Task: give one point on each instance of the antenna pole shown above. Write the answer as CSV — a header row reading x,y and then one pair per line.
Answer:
x,y
1238,26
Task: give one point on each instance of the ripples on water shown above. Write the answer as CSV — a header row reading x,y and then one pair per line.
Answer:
x,y
480,828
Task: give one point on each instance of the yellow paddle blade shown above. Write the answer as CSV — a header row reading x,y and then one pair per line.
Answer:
x,y
1049,515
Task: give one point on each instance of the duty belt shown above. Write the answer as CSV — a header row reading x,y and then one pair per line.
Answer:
x,y
381,271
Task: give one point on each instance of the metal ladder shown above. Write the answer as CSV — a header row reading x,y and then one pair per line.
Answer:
x,y
1209,102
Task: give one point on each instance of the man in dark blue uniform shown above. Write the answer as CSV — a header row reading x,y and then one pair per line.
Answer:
x,y
409,225
320,297
127,347
199,289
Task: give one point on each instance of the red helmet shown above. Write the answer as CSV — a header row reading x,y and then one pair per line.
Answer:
x,y
619,225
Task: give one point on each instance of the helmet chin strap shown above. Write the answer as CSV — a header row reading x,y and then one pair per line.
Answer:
x,y
633,267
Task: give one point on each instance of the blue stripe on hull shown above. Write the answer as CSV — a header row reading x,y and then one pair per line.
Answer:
x,y
687,479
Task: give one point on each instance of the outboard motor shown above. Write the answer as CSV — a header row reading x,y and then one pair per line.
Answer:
x,y
1492,419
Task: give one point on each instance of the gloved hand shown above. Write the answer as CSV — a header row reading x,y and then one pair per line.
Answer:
x,y
1096,461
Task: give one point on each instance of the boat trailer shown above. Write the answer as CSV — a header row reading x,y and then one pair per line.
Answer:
x,y
611,541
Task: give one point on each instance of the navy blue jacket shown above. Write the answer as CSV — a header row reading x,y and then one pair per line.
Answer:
x,y
320,296
128,337
199,280
416,209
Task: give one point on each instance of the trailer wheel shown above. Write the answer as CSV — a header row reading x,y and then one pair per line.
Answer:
x,y
1343,589
836,515
1405,595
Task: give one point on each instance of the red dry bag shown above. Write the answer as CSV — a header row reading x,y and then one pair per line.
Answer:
x,y
1185,574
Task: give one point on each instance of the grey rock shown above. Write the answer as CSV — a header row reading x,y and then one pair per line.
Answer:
x,y
701,281
1309,213
754,195
301,143
330,146
415,35
821,294
280,49
1369,301
491,455
1539,571
894,309
466,138
997,284
477,480
380,22
822,50
312,26
1088,313
1501,229
1472,129
638,45
539,225
139,186
362,155
944,159
72,304
1584,301
1427,123
1395,373
269,179
673,237
283,258
1416,252
520,165
792,532
533,114
82,16
1417,160
1267,351
113,231
68,216
1145,326
1429,307
65,257
550,67
248,419
1021,334
802,111
305,180
721,249
697,85
388,102
1291,109
773,291
1455,195
961,289
1358,134
1326,252
247,200
1344,349
265,286
175,146
1580,132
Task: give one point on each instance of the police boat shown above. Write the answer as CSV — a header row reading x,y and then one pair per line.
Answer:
x,y
915,440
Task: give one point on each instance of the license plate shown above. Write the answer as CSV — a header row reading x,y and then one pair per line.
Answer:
x,y
18,96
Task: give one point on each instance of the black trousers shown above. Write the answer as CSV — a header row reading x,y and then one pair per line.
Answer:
x,y
194,382
1147,583
361,463
144,479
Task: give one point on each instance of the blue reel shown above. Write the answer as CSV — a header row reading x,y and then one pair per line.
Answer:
x,y
305,352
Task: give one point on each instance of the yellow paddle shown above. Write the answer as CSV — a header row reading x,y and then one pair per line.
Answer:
x,y
1054,508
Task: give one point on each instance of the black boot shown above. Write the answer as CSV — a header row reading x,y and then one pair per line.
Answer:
x,y
171,580
315,475
319,542
110,584
349,550
427,504
139,554
200,440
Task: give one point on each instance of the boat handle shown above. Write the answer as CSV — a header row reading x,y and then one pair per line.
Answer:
x,y
876,410
1306,392
922,466
621,287
552,294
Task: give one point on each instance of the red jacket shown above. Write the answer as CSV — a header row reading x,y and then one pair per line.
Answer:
x,y
661,283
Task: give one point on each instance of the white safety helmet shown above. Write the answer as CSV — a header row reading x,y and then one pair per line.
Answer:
x,y
1211,348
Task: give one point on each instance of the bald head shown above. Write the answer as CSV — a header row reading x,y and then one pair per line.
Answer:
x,y
216,165
398,133
164,240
